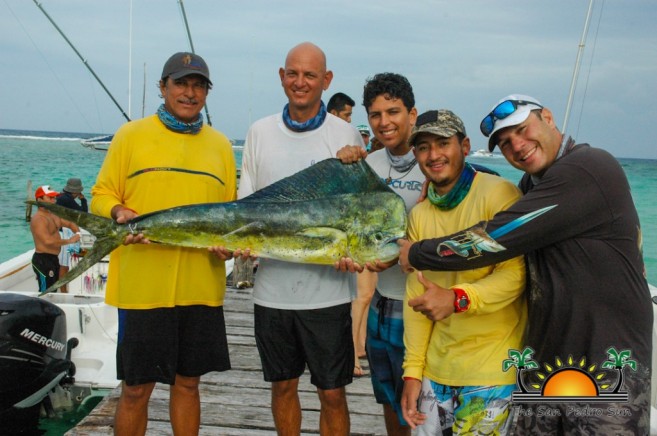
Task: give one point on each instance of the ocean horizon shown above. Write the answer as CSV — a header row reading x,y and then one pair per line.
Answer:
x,y
31,158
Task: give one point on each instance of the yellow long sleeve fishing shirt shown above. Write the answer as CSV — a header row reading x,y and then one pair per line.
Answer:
x,y
149,168
467,349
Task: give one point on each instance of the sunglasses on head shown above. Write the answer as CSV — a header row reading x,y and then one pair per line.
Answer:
x,y
500,112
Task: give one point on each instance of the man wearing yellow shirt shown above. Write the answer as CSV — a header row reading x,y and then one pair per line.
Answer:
x,y
459,325
170,299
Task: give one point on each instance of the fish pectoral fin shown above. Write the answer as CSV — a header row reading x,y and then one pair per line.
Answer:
x,y
323,233
255,226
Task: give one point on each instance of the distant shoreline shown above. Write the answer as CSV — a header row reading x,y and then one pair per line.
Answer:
x,y
61,136
77,136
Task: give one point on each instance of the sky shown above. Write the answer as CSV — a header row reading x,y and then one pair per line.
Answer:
x,y
460,55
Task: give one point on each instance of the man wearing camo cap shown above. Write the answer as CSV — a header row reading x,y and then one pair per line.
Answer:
x,y
588,298
459,326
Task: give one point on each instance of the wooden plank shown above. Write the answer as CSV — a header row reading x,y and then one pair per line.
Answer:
x,y
237,395
238,402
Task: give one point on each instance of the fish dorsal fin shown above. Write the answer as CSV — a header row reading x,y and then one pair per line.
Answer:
x,y
324,179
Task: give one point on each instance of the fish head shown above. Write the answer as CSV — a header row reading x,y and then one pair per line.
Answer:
x,y
375,235
370,246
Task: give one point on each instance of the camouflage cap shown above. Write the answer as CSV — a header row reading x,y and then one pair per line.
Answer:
x,y
442,122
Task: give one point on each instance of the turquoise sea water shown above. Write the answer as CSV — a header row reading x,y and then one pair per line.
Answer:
x,y
50,158
42,158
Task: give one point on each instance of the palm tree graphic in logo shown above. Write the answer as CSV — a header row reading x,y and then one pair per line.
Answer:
x,y
521,361
618,361
569,381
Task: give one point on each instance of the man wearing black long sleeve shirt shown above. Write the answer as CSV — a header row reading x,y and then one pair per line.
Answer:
x,y
587,289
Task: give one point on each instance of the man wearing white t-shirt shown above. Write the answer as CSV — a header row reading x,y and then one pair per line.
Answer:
x,y
390,104
302,312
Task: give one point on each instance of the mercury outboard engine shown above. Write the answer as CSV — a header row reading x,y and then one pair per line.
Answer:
x,y
33,357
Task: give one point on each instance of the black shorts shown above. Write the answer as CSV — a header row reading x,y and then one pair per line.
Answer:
x,y
287,340
46,268
156,344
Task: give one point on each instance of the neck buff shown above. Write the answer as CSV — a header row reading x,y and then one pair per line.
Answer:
x,y
401,164
454,197
306,126
174,124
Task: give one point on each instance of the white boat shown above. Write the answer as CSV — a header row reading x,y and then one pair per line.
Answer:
x,y
98,142
88,336
482,153
88,318
89,322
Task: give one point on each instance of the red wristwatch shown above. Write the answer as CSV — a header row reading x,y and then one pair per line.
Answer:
x,y
461,300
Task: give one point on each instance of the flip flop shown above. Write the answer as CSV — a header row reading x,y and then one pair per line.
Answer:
x,y
360,372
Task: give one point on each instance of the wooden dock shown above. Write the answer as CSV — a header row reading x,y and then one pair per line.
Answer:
x,y
237,402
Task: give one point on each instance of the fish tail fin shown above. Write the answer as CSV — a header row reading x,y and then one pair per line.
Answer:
x,y
94,224
109,235
101,248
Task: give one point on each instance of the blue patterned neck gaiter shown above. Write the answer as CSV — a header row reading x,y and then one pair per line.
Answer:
x,y
306,126
172,123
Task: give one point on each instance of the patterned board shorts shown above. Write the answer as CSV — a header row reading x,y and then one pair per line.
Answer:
x,y
472,410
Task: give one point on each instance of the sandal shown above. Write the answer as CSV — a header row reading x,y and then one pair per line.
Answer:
x,y
359,371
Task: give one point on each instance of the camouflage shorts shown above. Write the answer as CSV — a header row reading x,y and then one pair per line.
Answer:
x,y
582,419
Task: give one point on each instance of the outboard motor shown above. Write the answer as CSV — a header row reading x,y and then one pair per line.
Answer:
x,y
33,357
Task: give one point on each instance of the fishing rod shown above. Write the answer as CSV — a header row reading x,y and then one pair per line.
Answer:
x,y
191,45
84,61
578,61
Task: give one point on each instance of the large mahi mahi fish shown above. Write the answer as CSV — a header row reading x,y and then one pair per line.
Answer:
x,y
317,215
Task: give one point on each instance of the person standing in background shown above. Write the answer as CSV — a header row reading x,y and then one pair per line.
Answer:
x,y
341,105
302,312
168,297
365,133
48,243
71,192
365,284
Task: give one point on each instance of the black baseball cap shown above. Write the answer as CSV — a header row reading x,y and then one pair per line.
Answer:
x,y
183,64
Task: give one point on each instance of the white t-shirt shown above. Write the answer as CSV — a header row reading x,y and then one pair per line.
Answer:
x,y
67,250
392,282
272,152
